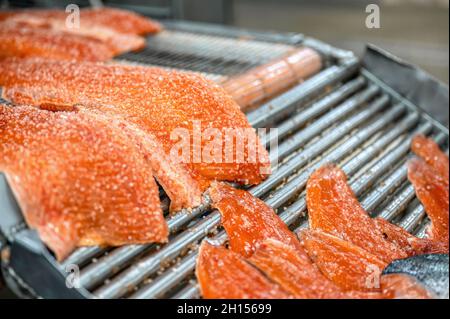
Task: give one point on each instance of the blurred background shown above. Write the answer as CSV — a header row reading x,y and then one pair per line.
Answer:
x,y
415,30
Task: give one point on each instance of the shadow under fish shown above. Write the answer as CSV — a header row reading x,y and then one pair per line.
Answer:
x,y
430,270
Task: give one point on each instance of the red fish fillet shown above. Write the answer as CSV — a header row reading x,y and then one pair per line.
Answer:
x,y
223,274
120,21
334,209
118,43
432,190
248,221
176,107
410,244
347,265
431,153
21,41
296,274
79,179
355,269
400,286
257,233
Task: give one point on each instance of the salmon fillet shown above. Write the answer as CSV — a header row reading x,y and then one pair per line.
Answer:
x,y
400,286
431,153
334,209
118,43
79,179
432,190
357,270
120,21
194,120
248,221
257,233
347,265
22,41
412,245
296,274
223,274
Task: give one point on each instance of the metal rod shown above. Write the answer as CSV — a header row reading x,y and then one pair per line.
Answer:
x,y
413,219
402,200
286,103
295,185
190,291
302,137
325,143
316,109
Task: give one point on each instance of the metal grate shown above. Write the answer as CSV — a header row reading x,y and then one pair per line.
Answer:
x,y
343,115
358,125
215,55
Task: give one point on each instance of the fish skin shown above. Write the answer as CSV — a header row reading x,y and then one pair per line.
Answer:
x,y
430,270
248,220
334,209
433,192
145,97
79,179
224,274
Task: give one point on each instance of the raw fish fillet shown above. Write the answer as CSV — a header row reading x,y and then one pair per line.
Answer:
x,y
21,41
223,274
357,270
347,265
334,209
120,21
295,273
175,107
399,286
431,153
257,233
430,270
118,43
248,221
79,179
432,190
410,244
